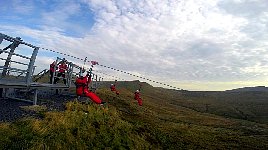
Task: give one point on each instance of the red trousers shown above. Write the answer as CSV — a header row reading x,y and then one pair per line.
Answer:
x,y
91,95
139,101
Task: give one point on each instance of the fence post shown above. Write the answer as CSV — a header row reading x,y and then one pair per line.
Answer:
x,y
99,81
12,49
70,68
96,82
31,67
1,92
92,81
35,97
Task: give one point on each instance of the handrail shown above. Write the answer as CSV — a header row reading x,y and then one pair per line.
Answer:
x,y
14,54
40,74
11,39
10,69
15,62
45,70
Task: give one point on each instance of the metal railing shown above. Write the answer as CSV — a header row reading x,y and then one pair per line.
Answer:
x,y
10,51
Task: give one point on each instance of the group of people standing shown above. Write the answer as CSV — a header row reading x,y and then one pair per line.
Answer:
x,y
62,68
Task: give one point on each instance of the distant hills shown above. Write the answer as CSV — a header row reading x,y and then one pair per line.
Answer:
x,y
248,89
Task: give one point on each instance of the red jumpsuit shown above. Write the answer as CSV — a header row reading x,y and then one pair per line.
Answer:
x,y
52,70
113,89
82,89
137,97
62,69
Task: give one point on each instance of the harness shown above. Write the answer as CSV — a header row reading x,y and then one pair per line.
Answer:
x,y
80,84
84,85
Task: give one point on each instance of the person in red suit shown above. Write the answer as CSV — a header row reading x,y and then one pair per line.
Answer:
x,y
113,89
52,70
62,68
82,89
137,97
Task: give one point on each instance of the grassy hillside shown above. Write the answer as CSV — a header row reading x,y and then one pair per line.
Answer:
x,y
251,105
168,119
246,105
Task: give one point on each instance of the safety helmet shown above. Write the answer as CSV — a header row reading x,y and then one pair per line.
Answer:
x,y
137,91
112,84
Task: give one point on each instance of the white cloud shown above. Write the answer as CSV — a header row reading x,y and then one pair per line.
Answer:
x,y
18,6
188,40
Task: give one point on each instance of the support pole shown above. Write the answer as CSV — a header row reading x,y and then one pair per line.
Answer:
x,y
31,67
70,68
1,92
92,79
35,97
96,82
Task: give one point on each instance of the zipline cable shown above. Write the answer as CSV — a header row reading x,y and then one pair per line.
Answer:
x,y
11,39
96,63
139,76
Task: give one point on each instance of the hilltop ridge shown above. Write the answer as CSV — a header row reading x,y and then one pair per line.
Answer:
x,y
168,119
256,88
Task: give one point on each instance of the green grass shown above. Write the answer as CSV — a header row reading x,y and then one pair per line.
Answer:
x,y
79,127
168,119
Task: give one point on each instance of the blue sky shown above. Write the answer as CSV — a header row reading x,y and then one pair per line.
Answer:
x,y
69,17
190,44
